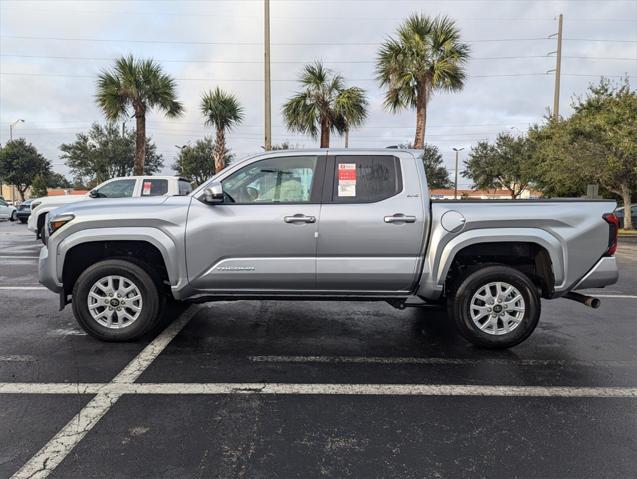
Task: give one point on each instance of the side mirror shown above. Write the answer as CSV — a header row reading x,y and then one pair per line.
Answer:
x,y
93,194
213,194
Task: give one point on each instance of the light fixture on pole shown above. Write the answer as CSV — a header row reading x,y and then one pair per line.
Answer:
x,y
11,125
455,183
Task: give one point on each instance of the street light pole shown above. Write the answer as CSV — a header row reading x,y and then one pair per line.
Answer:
x,y
557,69
11,125
455,183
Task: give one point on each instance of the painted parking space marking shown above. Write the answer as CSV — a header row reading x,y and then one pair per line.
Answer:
x,y
54,452
439,361
108,393
24,288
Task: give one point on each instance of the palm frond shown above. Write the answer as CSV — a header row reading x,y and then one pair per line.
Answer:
x,y
222,110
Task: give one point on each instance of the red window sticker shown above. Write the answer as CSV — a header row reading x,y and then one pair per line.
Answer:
x,y
347,171
146,188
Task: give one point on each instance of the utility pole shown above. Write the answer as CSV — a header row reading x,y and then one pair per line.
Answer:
x,y
558,68
455,183
266,77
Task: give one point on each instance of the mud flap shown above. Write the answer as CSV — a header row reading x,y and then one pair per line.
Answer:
x,y
63,300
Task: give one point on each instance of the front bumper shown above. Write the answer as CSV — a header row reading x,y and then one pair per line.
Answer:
x,y
47,274
22,215
604,273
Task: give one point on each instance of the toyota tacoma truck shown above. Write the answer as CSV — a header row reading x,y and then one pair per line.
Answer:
x,y
122,187
328,225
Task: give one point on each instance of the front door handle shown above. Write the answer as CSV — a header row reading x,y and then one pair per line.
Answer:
x,y
400,218
299,218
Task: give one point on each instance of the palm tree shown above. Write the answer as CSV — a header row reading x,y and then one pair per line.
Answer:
x,y
324,104
427,56
140,86
222,112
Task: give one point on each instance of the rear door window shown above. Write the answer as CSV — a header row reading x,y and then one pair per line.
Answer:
x,y
366,178
154,187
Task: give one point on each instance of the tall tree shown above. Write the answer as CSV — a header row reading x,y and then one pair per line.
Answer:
x,y
21,163
508,163
102,153
222,111
194,162
324,104
38,187
427,55
137,86
597,144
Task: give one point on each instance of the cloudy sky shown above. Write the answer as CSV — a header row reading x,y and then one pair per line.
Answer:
x,y
51,52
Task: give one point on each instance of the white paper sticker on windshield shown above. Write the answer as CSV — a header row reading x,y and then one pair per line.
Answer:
x,y
347,179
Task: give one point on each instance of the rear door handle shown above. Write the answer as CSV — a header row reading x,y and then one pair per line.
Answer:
x,y
299,218
400,218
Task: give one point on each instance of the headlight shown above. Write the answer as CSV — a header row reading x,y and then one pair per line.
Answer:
x,y
35,204
57,222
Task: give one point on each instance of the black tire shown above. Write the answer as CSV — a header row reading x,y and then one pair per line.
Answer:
x,y
23,220
152,301
460,301
13,216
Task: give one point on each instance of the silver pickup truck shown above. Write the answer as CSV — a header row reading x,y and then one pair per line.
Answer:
x,y
334,225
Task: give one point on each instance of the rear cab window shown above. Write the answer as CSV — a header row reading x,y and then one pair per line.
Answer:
x,y
365,178
154,187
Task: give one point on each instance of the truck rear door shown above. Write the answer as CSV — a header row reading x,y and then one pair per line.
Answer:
x,y
372,223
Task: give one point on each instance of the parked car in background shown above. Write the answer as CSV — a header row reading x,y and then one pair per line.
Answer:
x,y
24,211
621,212
328,224
123,187
7,211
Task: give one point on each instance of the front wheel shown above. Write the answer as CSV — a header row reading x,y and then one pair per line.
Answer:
x,y
495,307
13,216
116,300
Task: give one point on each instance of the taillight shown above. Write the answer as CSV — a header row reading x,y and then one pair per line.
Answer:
x,y
613,229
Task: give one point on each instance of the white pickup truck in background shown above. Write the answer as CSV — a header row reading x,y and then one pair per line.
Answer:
x,y
122,187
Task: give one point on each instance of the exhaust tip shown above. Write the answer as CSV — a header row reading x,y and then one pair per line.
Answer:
x,y
595,303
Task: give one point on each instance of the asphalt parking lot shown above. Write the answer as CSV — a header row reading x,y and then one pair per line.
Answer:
x,y
321,389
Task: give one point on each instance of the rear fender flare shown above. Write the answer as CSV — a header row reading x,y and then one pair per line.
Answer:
x,y
440,259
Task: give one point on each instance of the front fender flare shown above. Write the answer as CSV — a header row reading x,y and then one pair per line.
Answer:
x,y
175,266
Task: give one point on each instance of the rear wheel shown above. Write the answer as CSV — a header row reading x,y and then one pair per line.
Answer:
x,y
13,216
495,307
116,300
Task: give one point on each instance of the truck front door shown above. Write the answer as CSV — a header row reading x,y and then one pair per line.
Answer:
x,y
262,238
372,224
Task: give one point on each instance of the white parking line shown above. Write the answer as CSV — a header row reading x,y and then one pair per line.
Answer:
x,y
439,361
54,452
24,288
110,392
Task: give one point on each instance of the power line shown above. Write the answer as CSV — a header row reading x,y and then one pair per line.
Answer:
x,y
242,80
314,18
192,42
294,62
